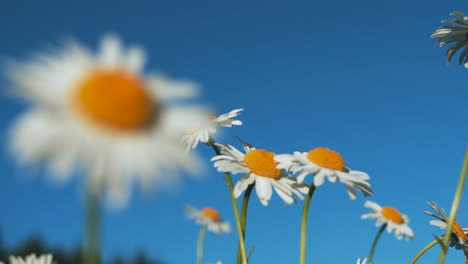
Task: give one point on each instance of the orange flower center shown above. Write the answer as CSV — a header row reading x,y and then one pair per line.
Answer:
x,y
327,158
261,163
211,214
457,229
115,99
393,215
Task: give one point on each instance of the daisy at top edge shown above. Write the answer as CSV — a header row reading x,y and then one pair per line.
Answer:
x,y
209,126
390,216
323,162
98,113
459,238
32,259
456,33
258,167
210,217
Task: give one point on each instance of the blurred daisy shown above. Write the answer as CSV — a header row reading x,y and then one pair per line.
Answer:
x,y
457,33
323,162
459,238
32,259
100,113
259,168
391,217
210,217
359,261
209,127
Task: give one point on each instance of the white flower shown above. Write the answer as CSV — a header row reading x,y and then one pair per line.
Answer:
x,y
459,238
457,33
359,261
210,217
32,259
100,114
203,134
258,168
323,162
391,217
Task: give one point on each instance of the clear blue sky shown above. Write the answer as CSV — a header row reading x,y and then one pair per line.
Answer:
x,y
361,77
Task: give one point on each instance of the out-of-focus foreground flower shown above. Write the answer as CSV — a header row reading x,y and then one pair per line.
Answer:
x,y
359,261
98,113
391,217
31,259
457,33
210,217
323,162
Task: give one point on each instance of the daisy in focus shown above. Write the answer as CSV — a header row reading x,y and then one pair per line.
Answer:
x,y
32,259
391,217
323,162
259,168
210,218
459,238
457,33
97,112
209,127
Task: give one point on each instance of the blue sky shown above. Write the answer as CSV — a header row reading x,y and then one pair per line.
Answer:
x,y
360,77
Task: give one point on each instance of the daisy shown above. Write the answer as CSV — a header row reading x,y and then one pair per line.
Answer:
x,y
459,238
359,261
32,259
323,162
209,127
210,217
99,113
391,217
259,168
457,33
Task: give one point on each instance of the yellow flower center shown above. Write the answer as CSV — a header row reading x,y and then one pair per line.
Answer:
x,y
115,99
327,158
261,163
457,229
392,214
211,214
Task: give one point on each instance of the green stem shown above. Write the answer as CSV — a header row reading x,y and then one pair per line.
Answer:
x,y
426,248
245,205
305,213
454,209
201,238
235,208
374,244
92,224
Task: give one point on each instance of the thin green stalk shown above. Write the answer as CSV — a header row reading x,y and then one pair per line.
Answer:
x,y
374,244
235,208
201,238
305,213
92,228
454,209
426,248
245,205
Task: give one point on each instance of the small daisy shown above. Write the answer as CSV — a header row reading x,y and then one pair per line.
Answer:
x,y
457,33
459,238
100,114
259,168
210,217
391,217
32,259
359,261
209,127
323,162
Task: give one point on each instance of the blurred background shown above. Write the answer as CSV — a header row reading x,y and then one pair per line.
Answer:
x,y
361,77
